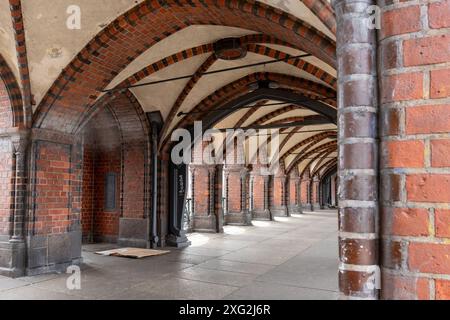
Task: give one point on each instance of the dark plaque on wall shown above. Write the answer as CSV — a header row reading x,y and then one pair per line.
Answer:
x,y
110,191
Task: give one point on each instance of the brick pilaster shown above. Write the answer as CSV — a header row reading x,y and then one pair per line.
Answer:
x,y
237,212
279,194
260,197
294,185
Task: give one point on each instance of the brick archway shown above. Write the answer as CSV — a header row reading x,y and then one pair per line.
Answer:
x,y
12,169
11,112
239,87
117,146
324,11
186,54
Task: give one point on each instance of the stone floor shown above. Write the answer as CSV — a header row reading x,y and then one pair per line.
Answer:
x,y
290,258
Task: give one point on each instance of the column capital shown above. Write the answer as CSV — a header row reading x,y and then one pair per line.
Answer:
x,y
19,144
337,3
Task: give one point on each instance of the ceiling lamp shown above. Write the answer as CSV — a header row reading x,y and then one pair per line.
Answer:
x,y
230,49
253,86
274,85
263,84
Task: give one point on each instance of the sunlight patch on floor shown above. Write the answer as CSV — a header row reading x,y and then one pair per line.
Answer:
x,y
198,240
234,230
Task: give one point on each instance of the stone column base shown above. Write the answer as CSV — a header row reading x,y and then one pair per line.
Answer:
x,y
265,215
133,233
205,224
238,219
53,253
180,241
295,209
279,211
12,259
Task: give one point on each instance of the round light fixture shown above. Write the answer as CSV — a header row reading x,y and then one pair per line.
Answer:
x,y
229,49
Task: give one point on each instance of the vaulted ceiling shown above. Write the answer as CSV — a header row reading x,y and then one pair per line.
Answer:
x,y
188,50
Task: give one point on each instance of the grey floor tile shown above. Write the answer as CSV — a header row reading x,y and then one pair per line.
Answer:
x,y
316,276
8,283
33,293
291,258
270,291
208,252
175,288
235,266
270,256
228,278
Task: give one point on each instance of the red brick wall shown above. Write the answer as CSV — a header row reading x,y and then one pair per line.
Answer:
x,y
133,181
6,162
98,163
258,192
5,107
278,189
102,155
415,93
115,142
106,222
234,192
52,188
293,191
201,191
315,193
304,191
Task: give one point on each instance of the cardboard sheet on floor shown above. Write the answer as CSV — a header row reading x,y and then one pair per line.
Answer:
x,y
134,253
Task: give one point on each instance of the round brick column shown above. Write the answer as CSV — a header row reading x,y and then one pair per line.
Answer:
x,y
358,150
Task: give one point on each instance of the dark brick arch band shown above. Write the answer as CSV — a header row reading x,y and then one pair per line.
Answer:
x,y
14,94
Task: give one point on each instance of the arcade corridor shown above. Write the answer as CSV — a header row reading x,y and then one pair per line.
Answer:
x,y
175,124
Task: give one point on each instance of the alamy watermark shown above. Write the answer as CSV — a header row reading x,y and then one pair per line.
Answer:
x,y
373,19
73,21
73,282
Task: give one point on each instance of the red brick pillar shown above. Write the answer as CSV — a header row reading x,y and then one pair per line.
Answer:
x,y
294,205
236,181
205,217
260,197
279,194
315,194
415,134
358,150
304,192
